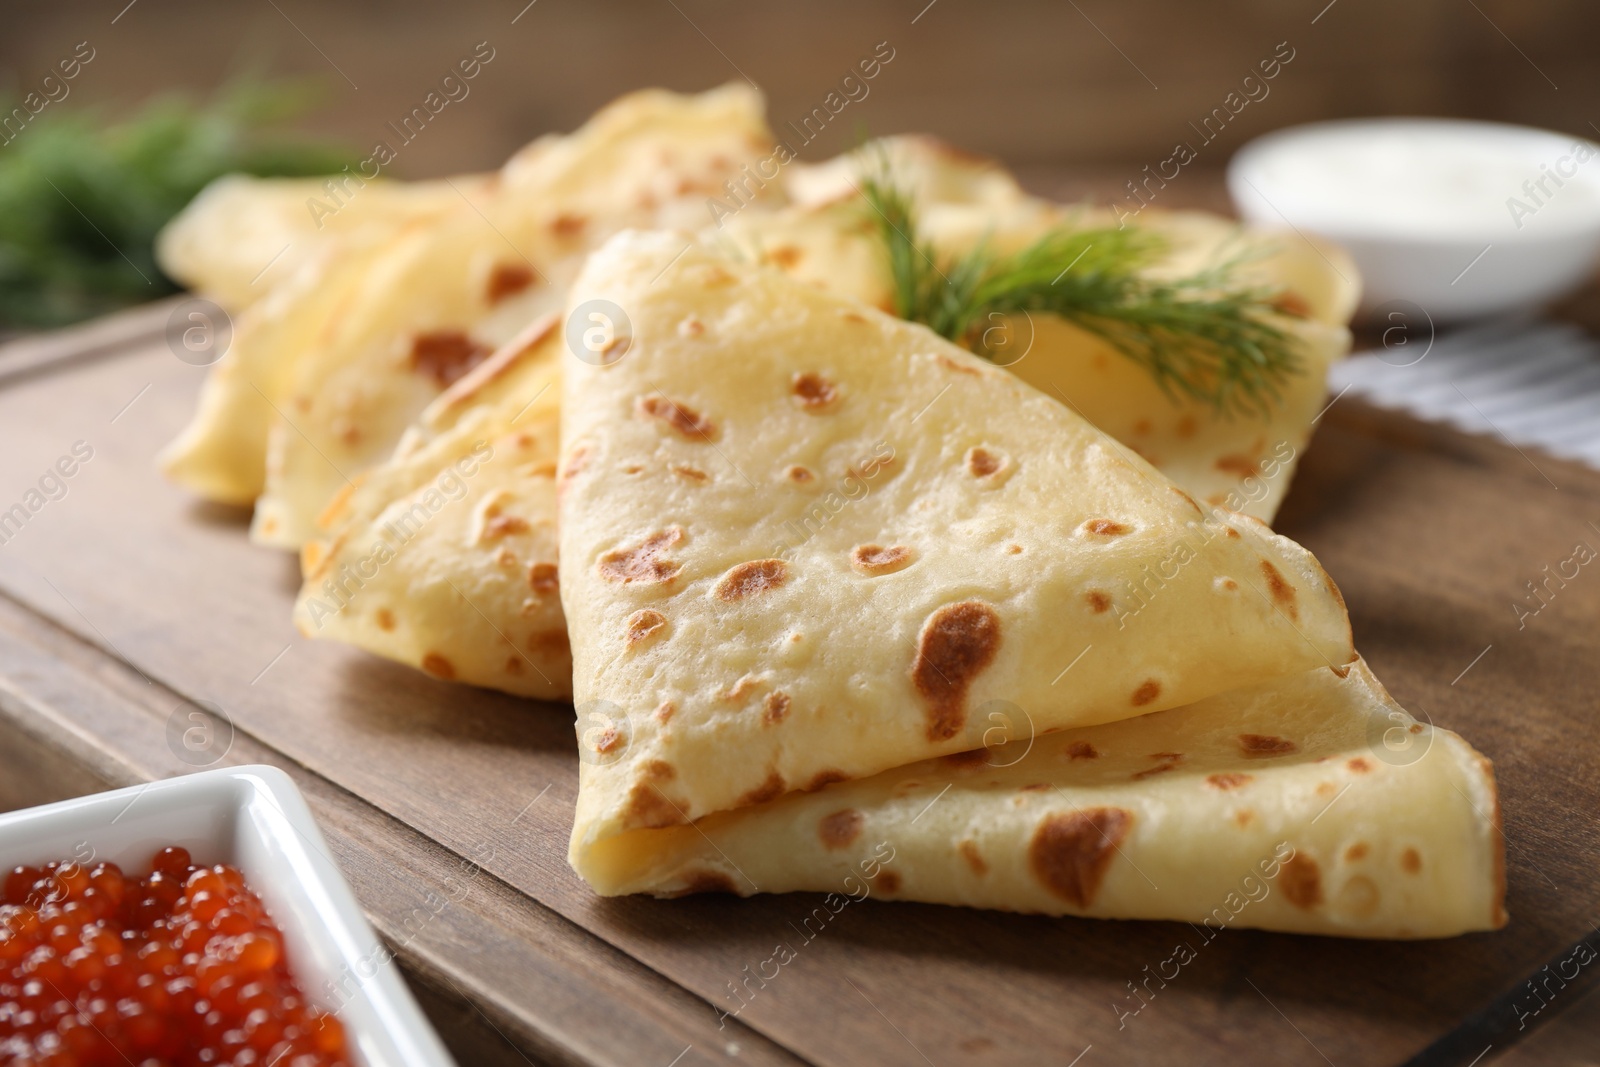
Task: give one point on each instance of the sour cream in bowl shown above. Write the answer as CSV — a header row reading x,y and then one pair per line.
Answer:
x,y
1463,219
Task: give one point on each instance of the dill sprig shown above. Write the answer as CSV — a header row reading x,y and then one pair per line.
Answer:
x,y
1202,336
82,197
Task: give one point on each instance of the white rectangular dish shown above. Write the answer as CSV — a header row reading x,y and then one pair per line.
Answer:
x,y
255,819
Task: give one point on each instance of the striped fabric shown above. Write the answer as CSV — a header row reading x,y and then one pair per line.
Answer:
x,y
1526,381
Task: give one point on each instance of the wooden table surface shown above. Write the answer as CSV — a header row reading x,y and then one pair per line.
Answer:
x,y
125,604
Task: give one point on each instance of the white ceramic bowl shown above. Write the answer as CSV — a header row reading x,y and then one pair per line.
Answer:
x,y
255,819
1443,213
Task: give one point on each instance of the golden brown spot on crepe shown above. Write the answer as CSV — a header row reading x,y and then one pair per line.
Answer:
x,y
550,643
1415,728
1265,745
568,224
1229,584
1226,781
974,858
1035,787
1082,750
959,368
1242,466
714,277
1187,426
799,474
545,578
445,355
707,882
823,779
576,461
608,740
813,392
642,624
1292,304
508,279
786,256
1147,692
1142,427
886,881
503,525
643,562
1099,601
691,327
771,786
1069,853
1014,549
971,758
1359,765
751,579
1282,591
514,665
957,642
1325,789
1301,880
840,828
745,684
1244,816
664,711
1106,528
1231,532
438,666
981,462
852,316
506,558
631,468
349,433
687,422
1340,672
647,805
775,708
1166,761
874,560
385,619
1410,861
688,473
1357,851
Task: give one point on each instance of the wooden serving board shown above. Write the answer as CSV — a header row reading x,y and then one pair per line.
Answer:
x,y
125,602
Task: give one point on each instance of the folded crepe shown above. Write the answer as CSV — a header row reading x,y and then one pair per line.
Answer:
x,y
446,555
1311,804
974,580
436,301
802,540
1242,462
242,234
824,243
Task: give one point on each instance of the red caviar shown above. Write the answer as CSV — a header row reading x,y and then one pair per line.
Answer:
x,y
180,968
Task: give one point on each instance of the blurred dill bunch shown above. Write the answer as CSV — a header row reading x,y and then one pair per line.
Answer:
x,y
82,197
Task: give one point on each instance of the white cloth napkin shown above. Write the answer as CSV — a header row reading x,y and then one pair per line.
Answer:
x,y
1529,382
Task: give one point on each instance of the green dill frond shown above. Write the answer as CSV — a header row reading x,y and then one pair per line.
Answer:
x,y
1203,336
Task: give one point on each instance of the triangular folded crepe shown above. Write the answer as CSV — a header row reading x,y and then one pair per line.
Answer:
x,y
241,234
438,299
825,245
1243,463
804,541
1311,804
446,555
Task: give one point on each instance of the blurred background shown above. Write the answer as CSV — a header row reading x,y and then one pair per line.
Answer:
x,y
1039,83
1077,97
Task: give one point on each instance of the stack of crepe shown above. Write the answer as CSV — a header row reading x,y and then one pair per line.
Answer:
x,y
842,607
